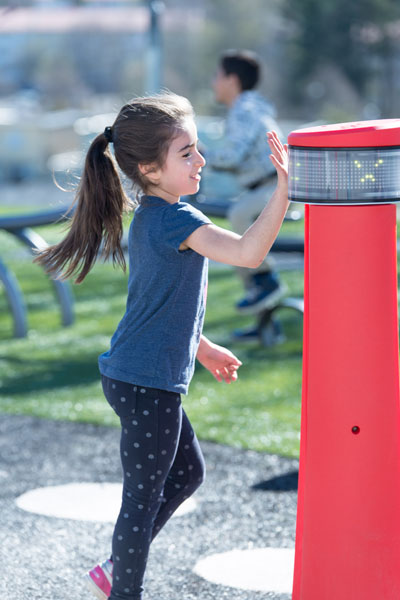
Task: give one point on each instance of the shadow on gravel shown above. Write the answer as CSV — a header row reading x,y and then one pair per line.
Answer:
x,y
281,483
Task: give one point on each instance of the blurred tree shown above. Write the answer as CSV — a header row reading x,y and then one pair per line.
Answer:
x,y
322,58
354,35
192,52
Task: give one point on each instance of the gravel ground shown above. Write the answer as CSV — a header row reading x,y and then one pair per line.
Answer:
x,y
248,501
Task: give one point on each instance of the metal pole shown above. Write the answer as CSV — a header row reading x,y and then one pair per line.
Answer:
x,y
154,50
62,288
15,301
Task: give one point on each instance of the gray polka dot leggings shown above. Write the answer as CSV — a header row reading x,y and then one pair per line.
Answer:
x,y
162,466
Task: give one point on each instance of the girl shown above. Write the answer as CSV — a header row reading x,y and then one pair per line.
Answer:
x,y
152,353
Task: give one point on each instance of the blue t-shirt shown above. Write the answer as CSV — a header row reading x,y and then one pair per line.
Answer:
x,y
156,342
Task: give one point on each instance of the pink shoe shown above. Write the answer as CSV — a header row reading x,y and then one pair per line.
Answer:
x,y
99,580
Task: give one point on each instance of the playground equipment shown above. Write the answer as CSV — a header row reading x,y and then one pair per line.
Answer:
x,y
21,227
348,520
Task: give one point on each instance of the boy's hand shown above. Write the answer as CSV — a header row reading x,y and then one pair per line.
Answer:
x,y
221,362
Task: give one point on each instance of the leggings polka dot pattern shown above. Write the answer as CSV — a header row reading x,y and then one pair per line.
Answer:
x,y
162,466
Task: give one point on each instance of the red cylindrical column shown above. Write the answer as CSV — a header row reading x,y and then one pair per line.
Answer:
x,y
348,523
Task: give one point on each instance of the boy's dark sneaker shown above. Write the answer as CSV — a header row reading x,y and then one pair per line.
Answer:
x,y
244,336
264,294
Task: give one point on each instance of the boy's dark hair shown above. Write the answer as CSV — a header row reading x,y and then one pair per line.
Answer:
x,y
243,63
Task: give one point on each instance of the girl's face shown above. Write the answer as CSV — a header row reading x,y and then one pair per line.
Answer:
x,y
180,173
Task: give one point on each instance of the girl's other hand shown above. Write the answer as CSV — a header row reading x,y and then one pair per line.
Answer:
x,y
220,361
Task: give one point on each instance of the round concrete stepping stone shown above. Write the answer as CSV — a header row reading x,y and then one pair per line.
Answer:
x,y
258,569
82,502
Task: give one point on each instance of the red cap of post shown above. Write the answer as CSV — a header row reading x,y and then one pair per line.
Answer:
x,y
359,134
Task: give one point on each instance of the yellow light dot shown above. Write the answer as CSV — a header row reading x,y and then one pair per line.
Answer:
x,y
358,166
362,180
298,164
380,161
376,164
297,178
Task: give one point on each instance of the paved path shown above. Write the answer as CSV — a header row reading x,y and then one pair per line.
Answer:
x,y
248,501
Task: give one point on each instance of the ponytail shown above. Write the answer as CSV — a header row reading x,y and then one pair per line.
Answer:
x,y
100,203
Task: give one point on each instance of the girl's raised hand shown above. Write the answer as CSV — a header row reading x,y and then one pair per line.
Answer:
x,y
279,155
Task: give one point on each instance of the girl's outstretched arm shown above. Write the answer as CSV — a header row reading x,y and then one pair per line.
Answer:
x,y
249,249
221,363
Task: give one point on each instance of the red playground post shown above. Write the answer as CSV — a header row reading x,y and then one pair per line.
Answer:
x,y
348,515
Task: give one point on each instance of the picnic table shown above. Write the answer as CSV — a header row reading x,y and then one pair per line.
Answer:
x,y
21,226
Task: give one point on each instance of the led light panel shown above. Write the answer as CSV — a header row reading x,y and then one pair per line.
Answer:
x,y
344,175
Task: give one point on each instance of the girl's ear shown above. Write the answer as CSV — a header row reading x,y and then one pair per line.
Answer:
x,y
151,171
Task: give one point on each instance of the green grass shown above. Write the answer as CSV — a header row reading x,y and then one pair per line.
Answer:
x,y
53,372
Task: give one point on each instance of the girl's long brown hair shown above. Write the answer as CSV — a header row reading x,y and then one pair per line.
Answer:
x,y
141,134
